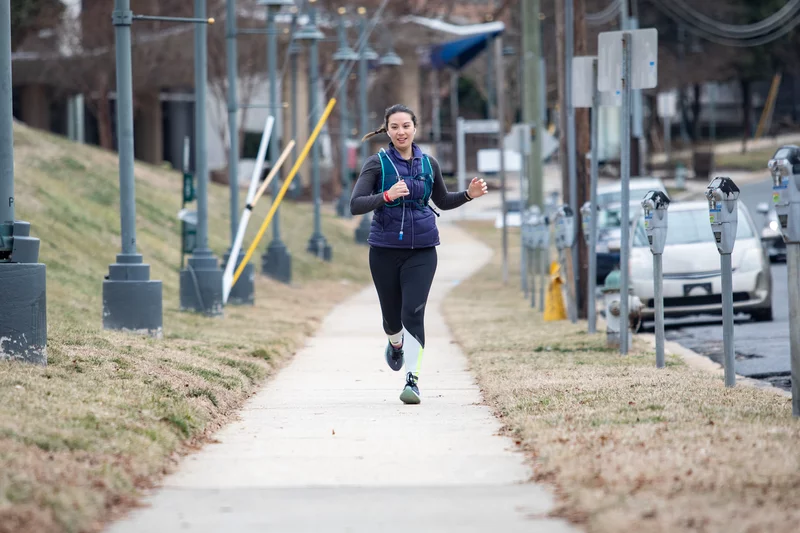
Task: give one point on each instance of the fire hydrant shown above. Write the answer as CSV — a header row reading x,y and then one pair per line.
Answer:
x,y
612,297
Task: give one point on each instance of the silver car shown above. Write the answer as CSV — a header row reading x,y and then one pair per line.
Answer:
x,y
691,262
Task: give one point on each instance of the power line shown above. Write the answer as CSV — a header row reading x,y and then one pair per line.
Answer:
x,y
606,15
691,25
756,29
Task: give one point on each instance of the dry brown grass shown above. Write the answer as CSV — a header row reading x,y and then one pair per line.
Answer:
x,y
628,447
112,412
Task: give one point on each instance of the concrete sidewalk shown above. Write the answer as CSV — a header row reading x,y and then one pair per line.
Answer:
x,y
327,446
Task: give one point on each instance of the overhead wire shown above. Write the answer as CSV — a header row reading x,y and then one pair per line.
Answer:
x,y
674,13
606,15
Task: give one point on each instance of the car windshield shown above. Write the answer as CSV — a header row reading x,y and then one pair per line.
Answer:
x,y
690,227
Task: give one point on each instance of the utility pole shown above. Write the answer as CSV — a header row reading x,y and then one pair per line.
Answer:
x,y
534,87
23,317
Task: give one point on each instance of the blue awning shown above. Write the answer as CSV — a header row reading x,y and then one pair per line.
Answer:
x,y
457,54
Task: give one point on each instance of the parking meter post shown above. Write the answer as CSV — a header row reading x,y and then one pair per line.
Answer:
x,y
722,195
655,204
793,271
658,282
544,252
785,169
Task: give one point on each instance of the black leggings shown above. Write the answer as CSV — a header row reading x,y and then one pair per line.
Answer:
x,y
403,280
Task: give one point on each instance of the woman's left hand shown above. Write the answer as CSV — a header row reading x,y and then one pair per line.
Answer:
x,y
477,188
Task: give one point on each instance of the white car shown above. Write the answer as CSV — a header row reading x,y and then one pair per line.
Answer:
x,y
612,193
691,265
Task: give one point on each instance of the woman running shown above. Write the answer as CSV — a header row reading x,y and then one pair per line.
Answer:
x,y
397,183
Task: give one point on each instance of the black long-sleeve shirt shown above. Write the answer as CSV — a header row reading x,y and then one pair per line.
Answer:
x,y
363,201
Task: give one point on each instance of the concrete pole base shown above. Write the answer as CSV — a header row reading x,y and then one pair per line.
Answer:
x,y
201,285
243,292
131,300
317,245
362,231
276,263
23,315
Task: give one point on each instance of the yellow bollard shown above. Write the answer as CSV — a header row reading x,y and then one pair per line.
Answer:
x,y
554,308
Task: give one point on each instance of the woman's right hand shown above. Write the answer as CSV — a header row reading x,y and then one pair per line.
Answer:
x,y
397,190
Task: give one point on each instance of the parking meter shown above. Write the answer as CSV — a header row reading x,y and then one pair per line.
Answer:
x,y
530,220
785,169
655,204
722,195
586,220
565,227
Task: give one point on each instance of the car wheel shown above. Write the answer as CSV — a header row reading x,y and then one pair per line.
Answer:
x,y
761,315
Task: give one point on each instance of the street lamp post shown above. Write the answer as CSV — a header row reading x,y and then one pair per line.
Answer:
x,y
131,300
277,261
244,290
201,280
317,244
367,54
343,55
23,316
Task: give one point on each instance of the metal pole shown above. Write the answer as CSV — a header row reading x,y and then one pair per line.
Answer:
x,y
272,65
501,120
727,320
200,143
317,244
6,126
569,22
233,127
461,155
658,280
667,135
131,301
294,51
713,125
201,282
362,232
277,261
127,206
592,289
793,272
544,259
625,176
344,199
523,250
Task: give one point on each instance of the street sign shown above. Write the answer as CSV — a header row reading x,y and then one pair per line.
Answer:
x,y
644,60
582,81
667,104
481,126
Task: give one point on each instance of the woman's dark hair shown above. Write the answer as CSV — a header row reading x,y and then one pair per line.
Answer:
x,y
397,108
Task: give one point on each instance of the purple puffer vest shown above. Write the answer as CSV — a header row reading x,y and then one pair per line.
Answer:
x,y
407,222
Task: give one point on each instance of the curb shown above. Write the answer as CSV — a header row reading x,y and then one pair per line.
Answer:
x,y
703,363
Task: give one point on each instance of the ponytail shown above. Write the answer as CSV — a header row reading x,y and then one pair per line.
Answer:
x,y
380,130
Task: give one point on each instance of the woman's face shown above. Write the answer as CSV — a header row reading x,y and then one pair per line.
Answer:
x,y
400,129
